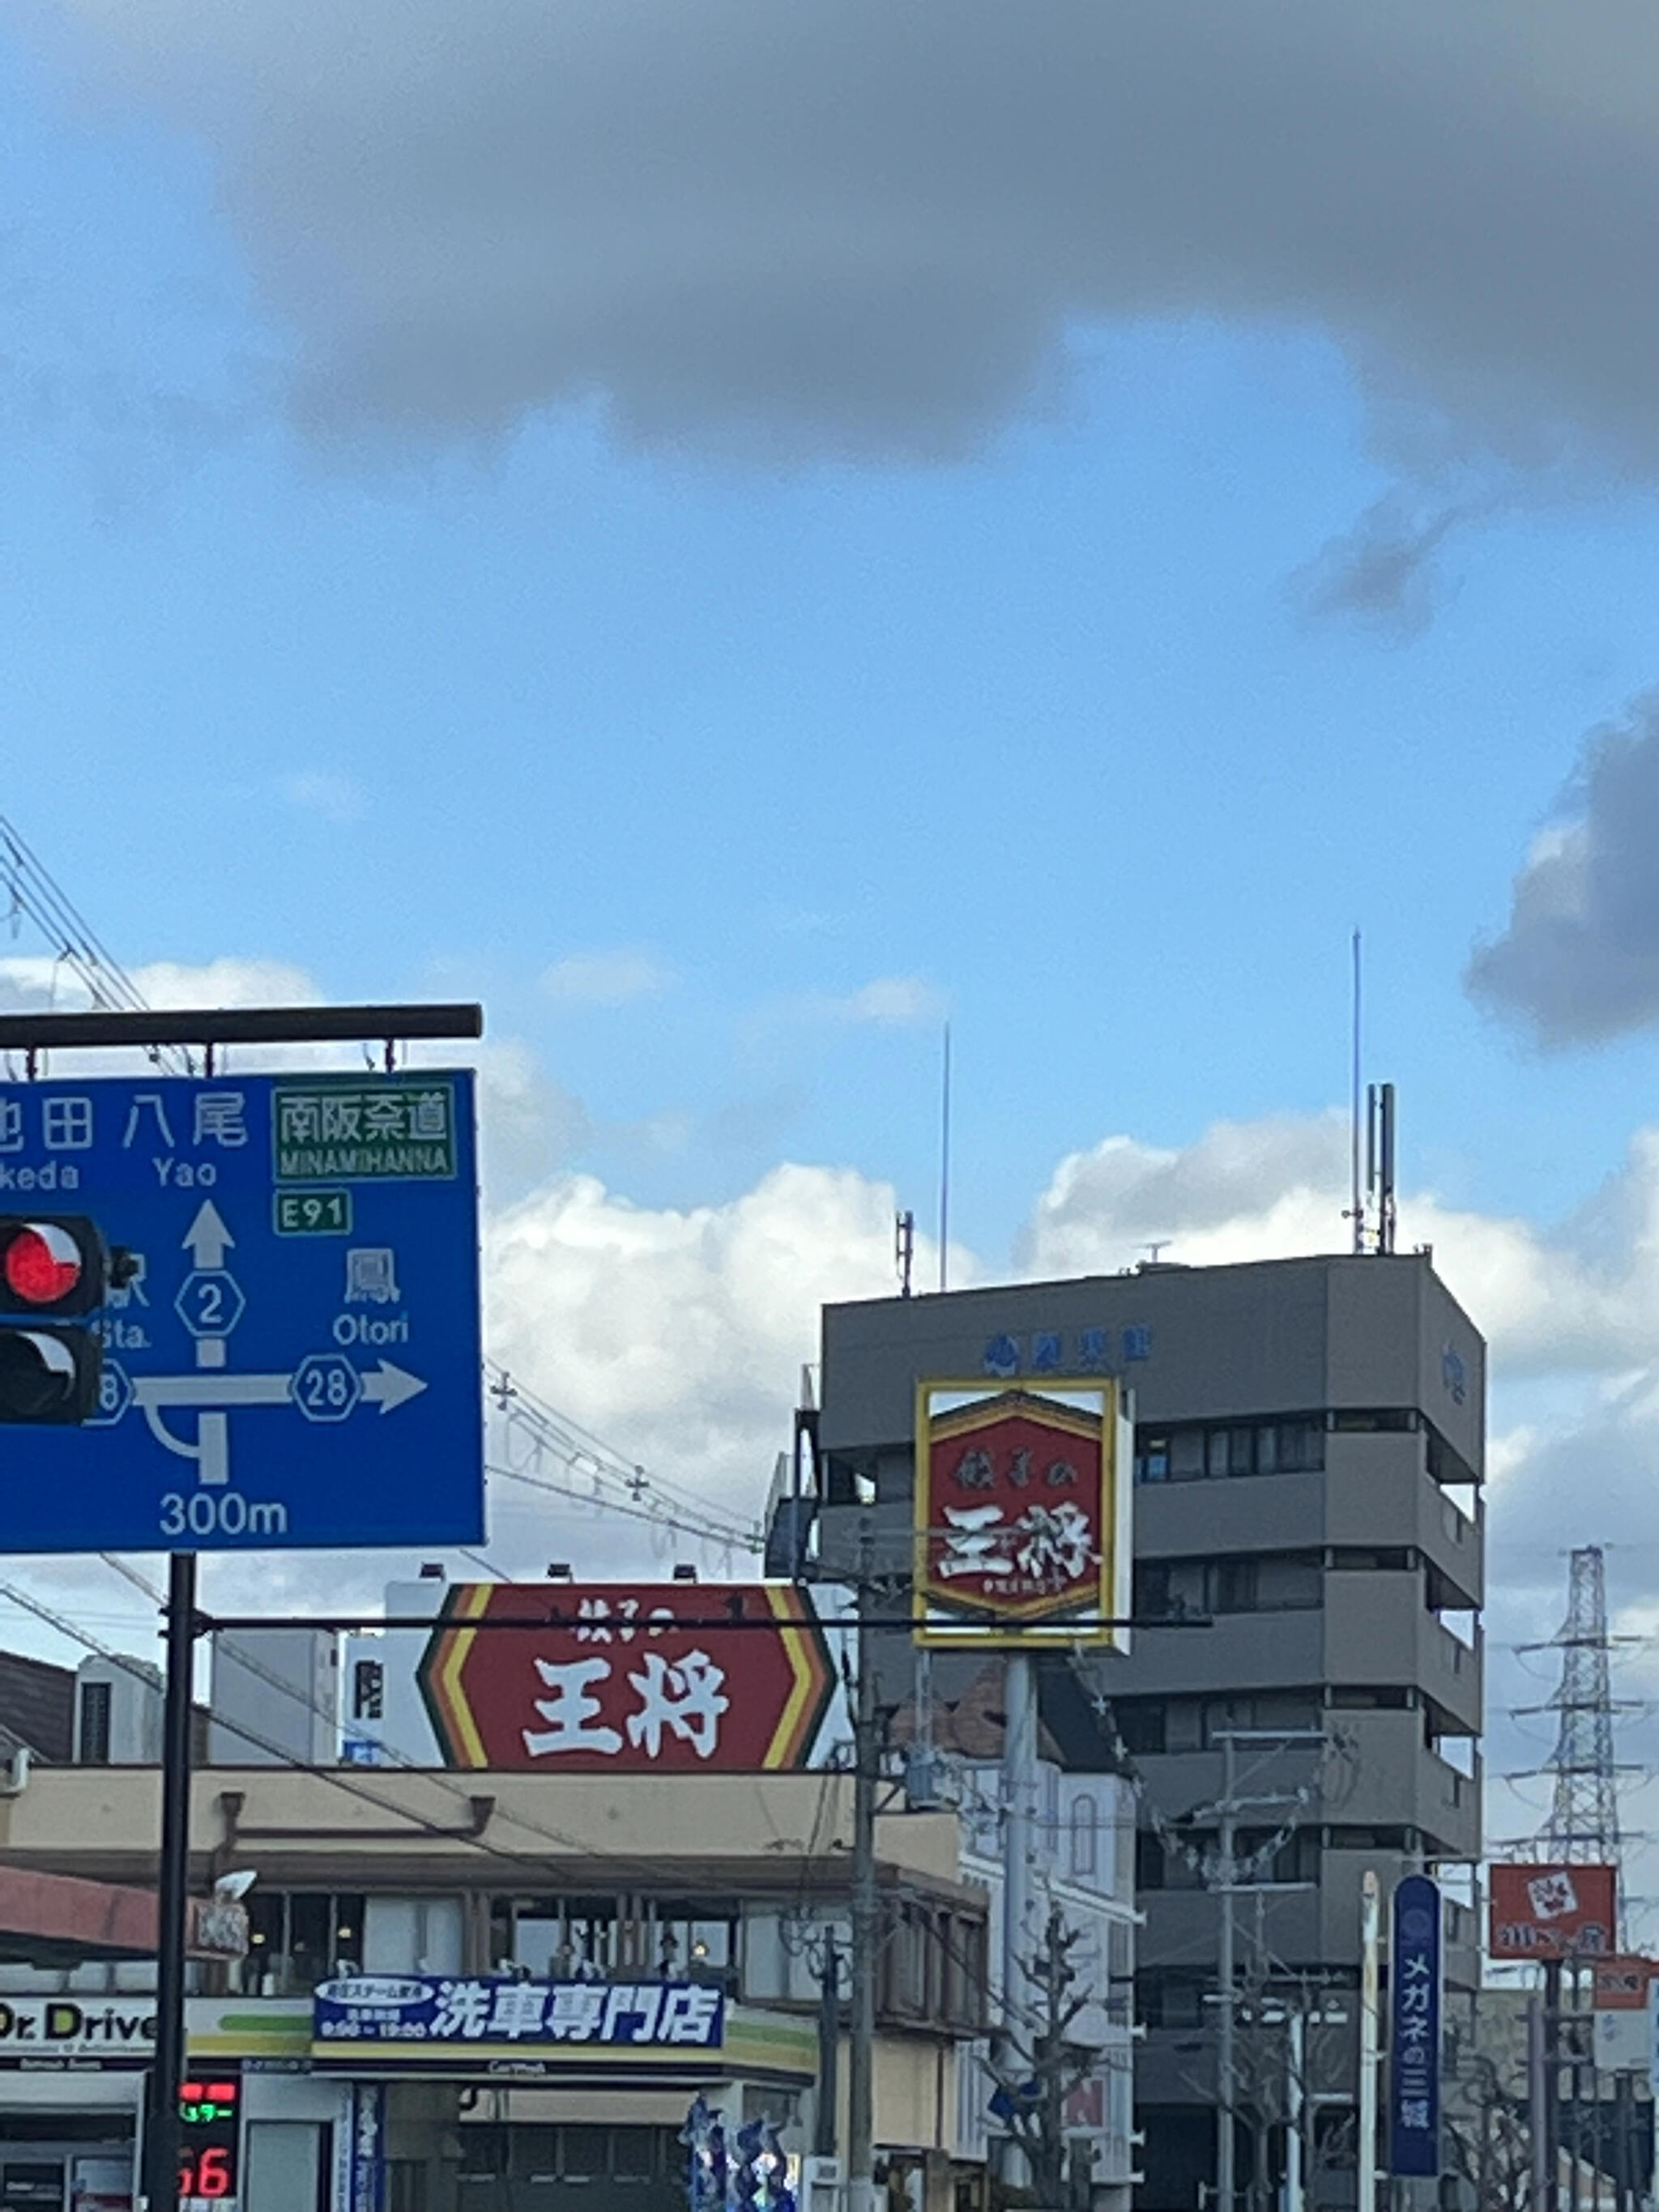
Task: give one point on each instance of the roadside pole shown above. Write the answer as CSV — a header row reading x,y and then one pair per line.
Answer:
x,y
162,2129
867,1908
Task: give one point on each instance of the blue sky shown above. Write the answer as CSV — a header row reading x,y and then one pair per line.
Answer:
x,y
725,685
1045,729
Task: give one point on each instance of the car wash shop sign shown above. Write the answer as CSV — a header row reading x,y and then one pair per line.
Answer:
x,y
421,2018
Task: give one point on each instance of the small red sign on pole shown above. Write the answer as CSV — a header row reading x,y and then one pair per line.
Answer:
x,y
1553,1911
1621,1984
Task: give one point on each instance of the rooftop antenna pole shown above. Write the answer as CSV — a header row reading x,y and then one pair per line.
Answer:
x,y
1356,1209
944,1164
1387,1206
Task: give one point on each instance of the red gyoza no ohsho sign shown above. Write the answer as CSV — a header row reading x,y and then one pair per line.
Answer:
x,y
613,1677
1017,1519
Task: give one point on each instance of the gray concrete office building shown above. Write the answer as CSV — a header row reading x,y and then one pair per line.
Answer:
x,y
1309,1445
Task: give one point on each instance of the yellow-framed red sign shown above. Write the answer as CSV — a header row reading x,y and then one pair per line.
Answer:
x,y
1022,1513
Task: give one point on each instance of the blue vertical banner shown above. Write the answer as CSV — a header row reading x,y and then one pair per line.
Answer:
x,y
1414,1979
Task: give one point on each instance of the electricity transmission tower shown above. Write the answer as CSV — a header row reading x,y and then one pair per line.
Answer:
x,y
1583,1821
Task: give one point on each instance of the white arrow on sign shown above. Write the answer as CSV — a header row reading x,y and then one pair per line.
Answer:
x,y
207,1239
386,1388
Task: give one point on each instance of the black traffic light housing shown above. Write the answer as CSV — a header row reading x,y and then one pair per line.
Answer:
x,y
55,1268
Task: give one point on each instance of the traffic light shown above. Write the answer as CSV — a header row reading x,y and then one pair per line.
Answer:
x,y
52,1265
54,1268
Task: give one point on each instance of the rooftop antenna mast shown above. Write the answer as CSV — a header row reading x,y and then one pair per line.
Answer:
x,y
1379,1159
945,1164
1356,1212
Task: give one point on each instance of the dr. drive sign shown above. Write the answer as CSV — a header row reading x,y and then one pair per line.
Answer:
x,y
294,1359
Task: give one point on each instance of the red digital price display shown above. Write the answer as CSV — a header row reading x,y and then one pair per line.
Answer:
x,y
210,2137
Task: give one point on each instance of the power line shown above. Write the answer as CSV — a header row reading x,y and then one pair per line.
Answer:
x,y
529,1420
253,1665
33,892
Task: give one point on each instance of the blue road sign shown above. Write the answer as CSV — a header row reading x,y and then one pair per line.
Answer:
x,y
295,1361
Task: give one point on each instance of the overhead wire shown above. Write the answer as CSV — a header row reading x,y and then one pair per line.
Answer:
x,y
36,893
252,1662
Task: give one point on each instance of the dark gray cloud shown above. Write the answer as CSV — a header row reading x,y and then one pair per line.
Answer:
x,y
848,226
1382,573
1579,960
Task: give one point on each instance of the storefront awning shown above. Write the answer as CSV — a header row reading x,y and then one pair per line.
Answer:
x,y
58,1919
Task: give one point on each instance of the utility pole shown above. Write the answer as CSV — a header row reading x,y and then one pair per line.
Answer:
x,y
1296,2109
824,2129
1020,1761
1370,1946
1538,2071
866,1906
1226,1809
1226,2058
161,2126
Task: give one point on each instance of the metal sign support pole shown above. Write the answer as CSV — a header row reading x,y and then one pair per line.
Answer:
x,y
161,2133
1370,1942
1020,1779
865,1900
1227,1974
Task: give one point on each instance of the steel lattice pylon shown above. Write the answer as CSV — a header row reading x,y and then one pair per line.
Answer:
x,y
1583,1822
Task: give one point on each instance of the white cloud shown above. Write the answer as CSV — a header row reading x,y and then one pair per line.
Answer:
x,y
1578,961
325,791
838,227
604,978
885,1002
680,1336
894,1002
228,983
1579,1297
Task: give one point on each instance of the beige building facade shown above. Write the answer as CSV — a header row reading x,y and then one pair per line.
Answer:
x,y
493,1890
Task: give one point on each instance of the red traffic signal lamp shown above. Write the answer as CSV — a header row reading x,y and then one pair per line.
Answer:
x,y
54,1267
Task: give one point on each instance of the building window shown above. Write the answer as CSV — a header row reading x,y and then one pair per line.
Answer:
x,y
1296,1448
1237,1448
1152,1456
1150,1864
1151,1601
95,1724
1142,1725
1187,1455
368,1690
1166,2000
572,1938
1085,1819
296,1938
1234,1586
